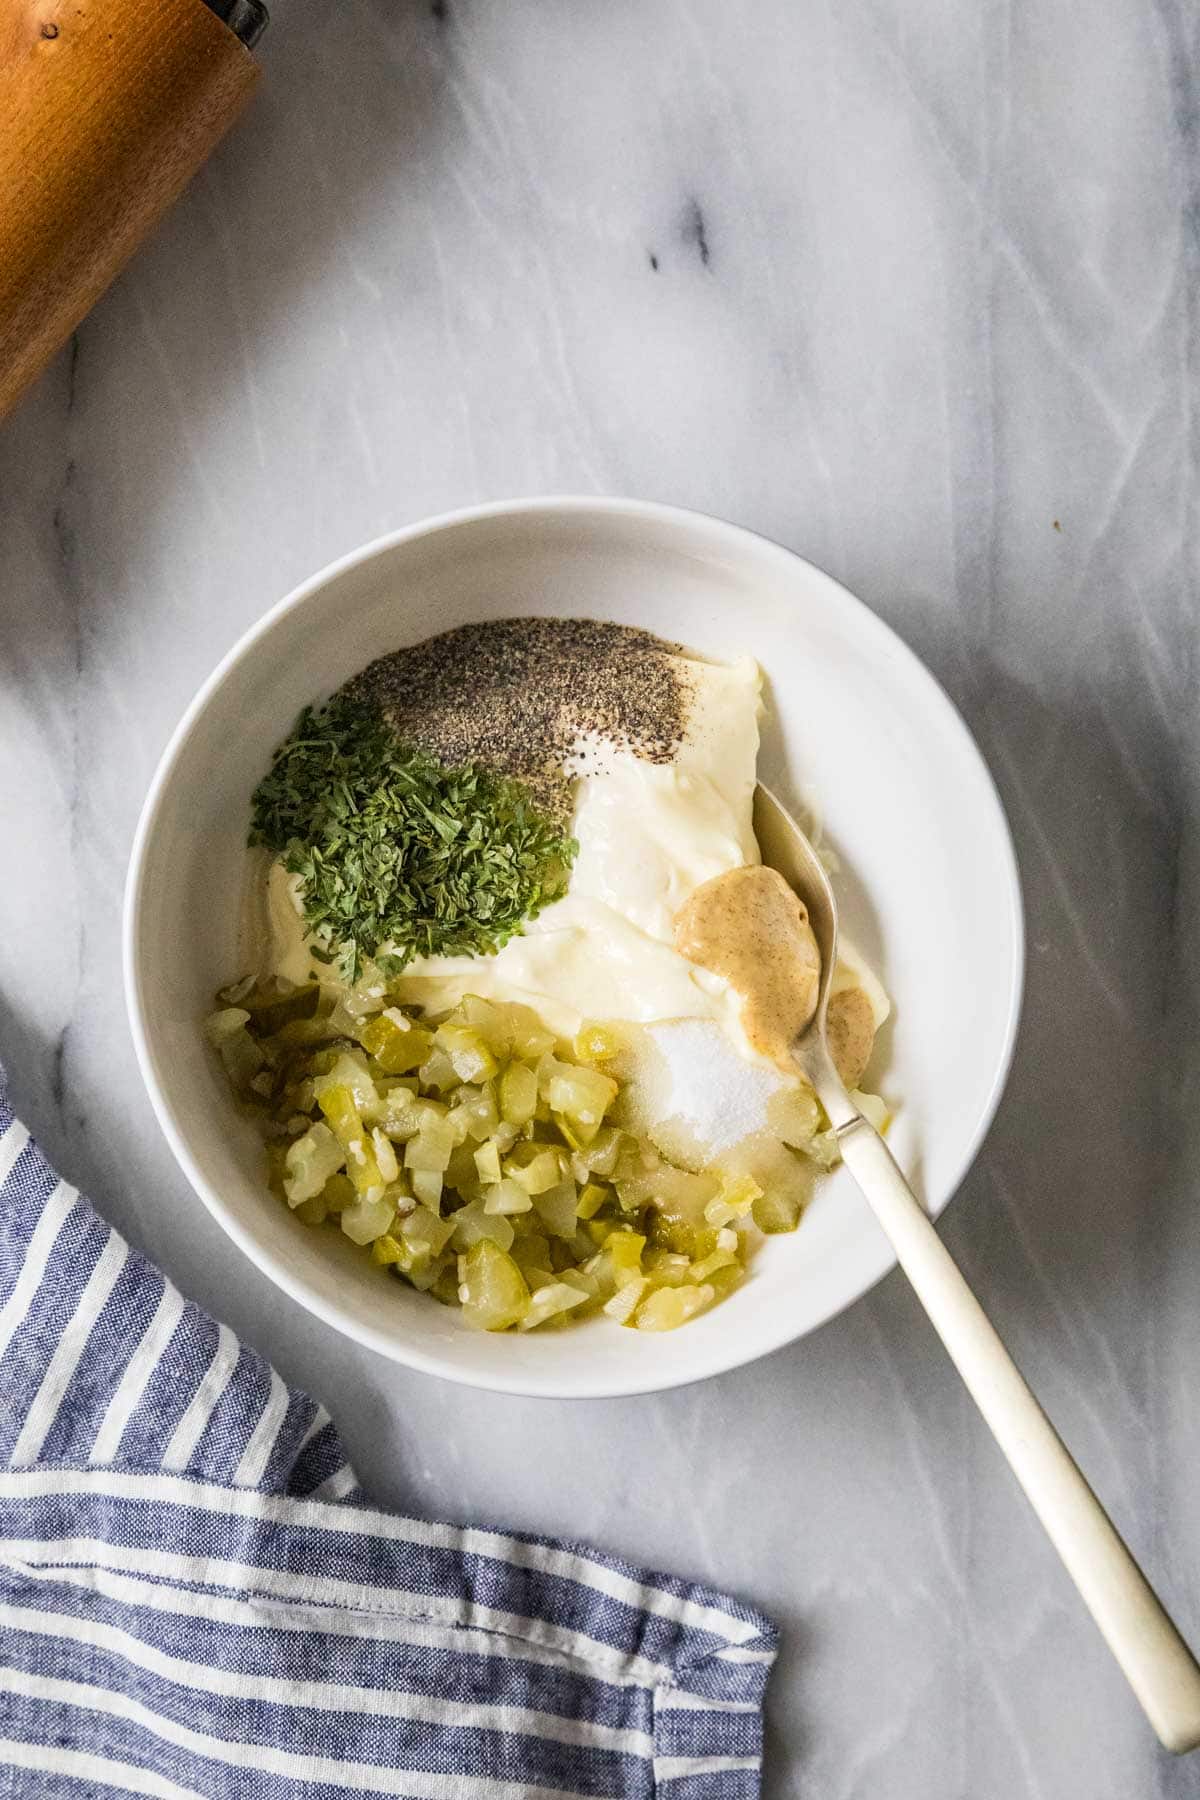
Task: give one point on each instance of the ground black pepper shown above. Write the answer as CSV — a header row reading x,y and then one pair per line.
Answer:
x,y
516,695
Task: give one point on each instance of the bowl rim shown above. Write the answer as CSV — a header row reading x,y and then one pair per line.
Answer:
x,y
736,536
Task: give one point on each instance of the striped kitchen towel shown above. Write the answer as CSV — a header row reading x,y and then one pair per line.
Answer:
x,y
197,1602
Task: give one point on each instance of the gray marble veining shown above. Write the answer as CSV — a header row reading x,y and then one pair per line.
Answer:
x,y
911,288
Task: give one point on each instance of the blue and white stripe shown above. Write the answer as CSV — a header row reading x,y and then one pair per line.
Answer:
x,y
195,1600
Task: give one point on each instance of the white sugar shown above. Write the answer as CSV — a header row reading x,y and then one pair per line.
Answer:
x,y
694,1089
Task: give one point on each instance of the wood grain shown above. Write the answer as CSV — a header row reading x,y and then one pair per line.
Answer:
x,y
107,109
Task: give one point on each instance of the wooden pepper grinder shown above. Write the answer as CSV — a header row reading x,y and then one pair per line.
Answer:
x,y
107,109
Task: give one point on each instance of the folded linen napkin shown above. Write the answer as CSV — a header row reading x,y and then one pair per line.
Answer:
x,y
196,1599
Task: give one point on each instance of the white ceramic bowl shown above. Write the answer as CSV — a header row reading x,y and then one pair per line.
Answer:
x,y
930,892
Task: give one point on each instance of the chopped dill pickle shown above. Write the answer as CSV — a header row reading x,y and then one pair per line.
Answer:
x,y
491,1288
310,1162
518,1094
506,1198
431,1148
338,1193
551,1301
396,1047
337,1103
536,1172
487,1163
668,1308
556,1207
471,1155
369,1218
469,1056
591,1198
775,1212
427,1185
472,1224
624,1302
424,1234
595,1043
625,1253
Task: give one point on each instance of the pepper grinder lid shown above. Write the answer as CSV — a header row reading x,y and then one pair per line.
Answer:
x,y
247,19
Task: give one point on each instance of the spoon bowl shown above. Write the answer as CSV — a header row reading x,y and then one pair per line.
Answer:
x,y
787,850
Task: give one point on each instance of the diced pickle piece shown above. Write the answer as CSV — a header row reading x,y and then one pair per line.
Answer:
x,y
581,1094
432,1147
369,1218
682,1194
312,1212
277,1165
226,1023
426,1275
530,1249
469,1055
518,1094
601,1155
461,1167
278,1003
735,1200
537,1171
367,996
591,1198
625,1253
491,1288
667,1308
337,1103
349,1070
427,1185
395,1042
425,1234
386,1250
437,1071
595,1043
402,1116
775,1212
385,1155
556,1207
242,1057
299,1034
490,1021
472,1115
624,1302
506,1198
667,1268
236,992
482,1113
472,1224
310,1162
578,1133
794,1114
530,1038
338,1193
551,1301
445,1288
708,1265
487,1164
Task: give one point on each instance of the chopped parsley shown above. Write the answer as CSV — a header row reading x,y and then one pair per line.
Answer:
x,y
393,849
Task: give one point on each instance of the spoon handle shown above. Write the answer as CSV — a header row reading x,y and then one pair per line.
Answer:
x,y
1156,1662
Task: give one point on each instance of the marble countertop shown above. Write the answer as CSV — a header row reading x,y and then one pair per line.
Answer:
x,y
906,287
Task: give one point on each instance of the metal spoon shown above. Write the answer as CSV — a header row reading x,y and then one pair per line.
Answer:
x,y
1154,1658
